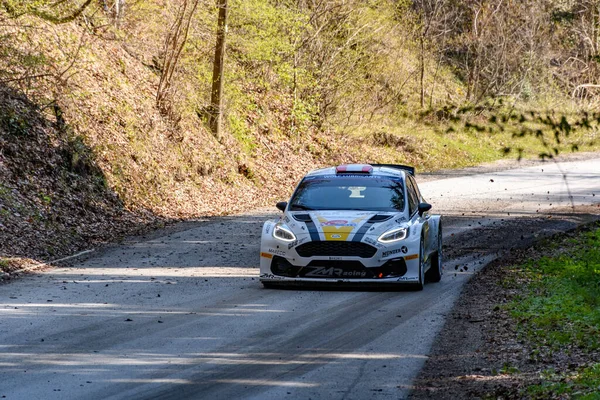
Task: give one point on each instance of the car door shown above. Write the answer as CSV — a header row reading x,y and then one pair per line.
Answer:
x,y
414,196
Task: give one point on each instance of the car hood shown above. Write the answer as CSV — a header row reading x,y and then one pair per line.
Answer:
x,y
347,225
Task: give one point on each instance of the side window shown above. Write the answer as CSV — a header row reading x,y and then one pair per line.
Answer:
x,y
417,191
413,197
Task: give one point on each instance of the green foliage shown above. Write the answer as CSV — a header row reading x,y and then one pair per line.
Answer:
x,y
79,159
583,384
16,7
508,369
552,129
45,199
240,130
56,12
4,265
14,123
564,302
339,70
264,32
561,310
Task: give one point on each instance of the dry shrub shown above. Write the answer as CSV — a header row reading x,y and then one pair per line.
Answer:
x,y
404,143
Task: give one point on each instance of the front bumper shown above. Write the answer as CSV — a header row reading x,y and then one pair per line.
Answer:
x,y
326,263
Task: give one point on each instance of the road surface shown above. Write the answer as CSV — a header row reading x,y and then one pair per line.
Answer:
x,y
181,314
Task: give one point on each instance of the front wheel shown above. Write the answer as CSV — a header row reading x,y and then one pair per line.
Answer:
x,y
421,283
269,285
434,274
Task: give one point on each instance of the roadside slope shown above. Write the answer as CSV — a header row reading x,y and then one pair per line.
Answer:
x,y
54,199
483,351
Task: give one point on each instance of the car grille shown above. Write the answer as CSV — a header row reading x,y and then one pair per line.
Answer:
x,y
344,265
335,248
348,269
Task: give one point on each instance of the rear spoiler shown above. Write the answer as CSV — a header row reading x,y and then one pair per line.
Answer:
x,y
410,170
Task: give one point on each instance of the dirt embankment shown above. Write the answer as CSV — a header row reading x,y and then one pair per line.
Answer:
x,y
54,200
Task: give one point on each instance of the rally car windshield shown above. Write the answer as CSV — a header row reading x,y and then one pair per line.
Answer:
x,y
349,193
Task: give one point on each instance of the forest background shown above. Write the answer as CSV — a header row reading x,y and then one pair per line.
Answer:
x,y
105,104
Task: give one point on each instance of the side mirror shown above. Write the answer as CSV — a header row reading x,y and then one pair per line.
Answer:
x,y
424,207
282,205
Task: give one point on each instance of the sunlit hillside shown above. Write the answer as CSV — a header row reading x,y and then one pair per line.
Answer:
x,y
124,93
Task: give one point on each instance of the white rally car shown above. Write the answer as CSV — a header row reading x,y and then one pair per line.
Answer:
x,y
354,224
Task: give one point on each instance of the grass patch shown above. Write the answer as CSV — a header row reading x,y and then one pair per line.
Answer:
x,y
432,146
581,384
4,264
560,312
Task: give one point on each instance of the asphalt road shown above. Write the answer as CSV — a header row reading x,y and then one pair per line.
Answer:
x,y
182,315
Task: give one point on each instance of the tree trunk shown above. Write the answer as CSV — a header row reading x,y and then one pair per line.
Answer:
x,y
422,71
119,12
216,100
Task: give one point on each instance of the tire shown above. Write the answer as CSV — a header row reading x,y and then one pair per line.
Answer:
x,y
435,271
269,285
421,283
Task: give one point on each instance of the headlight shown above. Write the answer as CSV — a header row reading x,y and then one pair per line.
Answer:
x,y
394,235
282,232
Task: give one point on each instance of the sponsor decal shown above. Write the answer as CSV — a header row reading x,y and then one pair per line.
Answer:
x,y
266,255
405,278
268,228
286,219
400,220
336,222
339,229
320,272
277,252
292,244
404,249
370,241
390,225
390,252
336,258
373,242
411,257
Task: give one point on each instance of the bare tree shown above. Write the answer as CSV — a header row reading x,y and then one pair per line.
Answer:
x,y
174,44
578,64
499,44
334,47
116,10
436,20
